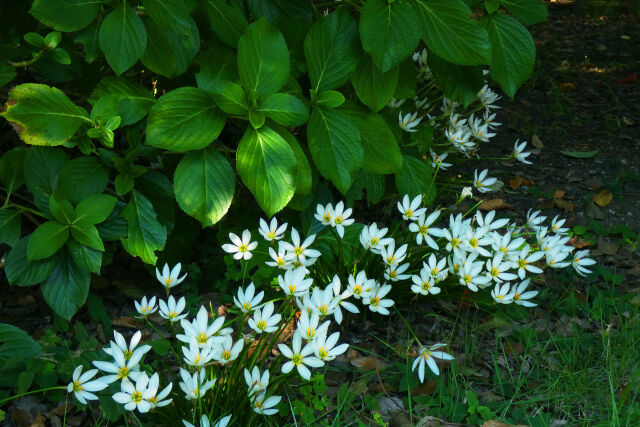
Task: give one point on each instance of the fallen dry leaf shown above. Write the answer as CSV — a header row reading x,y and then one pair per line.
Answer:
x,y
578,243
126,322
514,347
628,122
518,181
566,87
536,142
564,205
603,198
498,423
368,363
430,421
425,389
559,193
494,205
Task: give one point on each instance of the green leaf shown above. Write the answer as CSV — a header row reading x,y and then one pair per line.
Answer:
x,y
61,56
374,88
10,226
580,154
133,101
43,115
332,51
145,233
530,12
204,183
88,37
285,109
256,118
170,53
12,169
491,6
416,177
381,154
41,168
122,38
267,166
458,82
513,52
407,80
95,209
82,177
156,187
22,272
65,15
228,22
124,183
389,31
184,119
172,15
263,58
67,287
16,343
87,234
61,210
35,40
217,64
85,257
330,99
230,97
46,240
7,73
303,174
52,40
449,31
334,143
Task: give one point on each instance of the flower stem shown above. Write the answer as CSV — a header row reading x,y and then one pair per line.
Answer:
x,y
40,390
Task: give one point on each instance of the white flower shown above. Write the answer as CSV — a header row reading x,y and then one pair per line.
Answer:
x,y
82,388
263,405
497,270
427,357
247,300
501,295
579,262
392,256
519,154
439,160
135,397
449,106
158,399
489,118
524,260
488,97
395,103
422,228
145,307
325,348
488,223
534,218
475,240
556,256
169,278
469,274
557,225
520,297
293,282
341,297
466,192
298,250
195,386
480,129
264,320
410,209
308,325
271,232
128,350
375,299
435,268
172,310
395,272
424,283
204,422
324,214
240,248
299,357
420,57
457,228
421,103
482,183
196,356
409,121
256,381
227,351
121,368
360,286
279,258
373,238
201,330
341,218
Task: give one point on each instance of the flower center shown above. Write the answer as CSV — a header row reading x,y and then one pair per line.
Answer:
x,y
297,359
423,229
123,372
271,235
426,286
128,354
494,271
322,308
522,263
292,288
375,301
323,353
246,305
226,354
339,220
262,325
136,397
202,338
77,386
516,297
326,217
242,248
391,259
172,315
408,213
434,271
311,332
455,242
298,251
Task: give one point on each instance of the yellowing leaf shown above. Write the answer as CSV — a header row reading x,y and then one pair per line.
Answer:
x,y
603,198
368,363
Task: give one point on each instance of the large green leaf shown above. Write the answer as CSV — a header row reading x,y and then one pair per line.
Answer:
x,y
381,154
416,177
513,52
67,287
41,168
88,37
530,12
95,209
85,257
263,58
81,178
227,21
22,272
449,31
374,88
10,226
285,109
43,115
217,64
133,100
332,51
172,15
230,97
334,143
277,11
65,15
61,209
122,38
169,53
267,165
389,31
46,240
458,82
184,119
303,176
12,169
16,343
204,183
146,235
407,80
87,234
